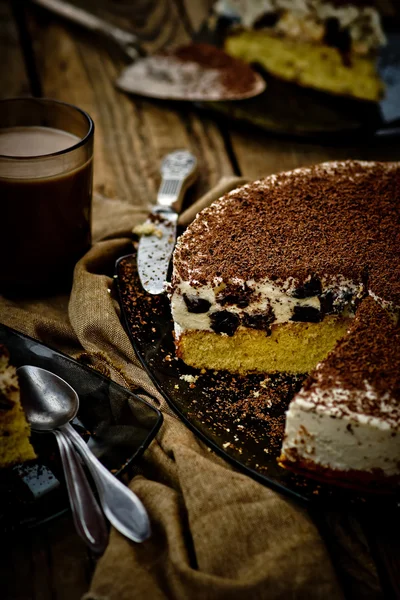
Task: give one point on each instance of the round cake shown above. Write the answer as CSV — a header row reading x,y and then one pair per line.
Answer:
x,y
270,277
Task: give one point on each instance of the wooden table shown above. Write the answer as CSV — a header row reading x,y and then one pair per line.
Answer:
x,y
132,135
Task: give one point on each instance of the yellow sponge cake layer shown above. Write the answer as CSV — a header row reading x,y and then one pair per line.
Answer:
x,y
310,65
291,347
15,446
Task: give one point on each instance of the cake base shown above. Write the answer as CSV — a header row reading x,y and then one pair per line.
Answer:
x,y
291,347
15,446
372,482
310,65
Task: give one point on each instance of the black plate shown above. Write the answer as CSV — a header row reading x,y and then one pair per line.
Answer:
x,y
240,417
289,109
116,424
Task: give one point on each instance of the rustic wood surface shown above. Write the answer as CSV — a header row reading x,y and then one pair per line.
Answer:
x,y
132,135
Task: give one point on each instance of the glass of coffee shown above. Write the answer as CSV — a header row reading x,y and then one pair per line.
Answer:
x,y
46,168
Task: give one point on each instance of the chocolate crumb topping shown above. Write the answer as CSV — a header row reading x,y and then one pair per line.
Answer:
x,y
366,360
235,294
234,74
339,218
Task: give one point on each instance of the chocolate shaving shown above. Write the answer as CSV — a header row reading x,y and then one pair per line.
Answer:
x,y
333,219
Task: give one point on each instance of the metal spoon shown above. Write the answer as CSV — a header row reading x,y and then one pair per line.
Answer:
x,y
88,518
51,404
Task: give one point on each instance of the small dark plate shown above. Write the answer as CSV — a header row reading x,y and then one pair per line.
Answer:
x,y
289,109
117,425
240,417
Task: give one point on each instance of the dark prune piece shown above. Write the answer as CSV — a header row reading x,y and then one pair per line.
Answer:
x,y
306,314
266,20
337,37
196,305
308,289
259,320
232,299
224,321
326,301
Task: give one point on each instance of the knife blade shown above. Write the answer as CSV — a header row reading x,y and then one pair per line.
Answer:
x,y
158,233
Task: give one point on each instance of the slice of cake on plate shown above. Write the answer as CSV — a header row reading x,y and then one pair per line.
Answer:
x,y
329,45
344,424
15,446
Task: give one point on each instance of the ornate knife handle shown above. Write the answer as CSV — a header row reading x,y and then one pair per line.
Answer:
x,y
178,170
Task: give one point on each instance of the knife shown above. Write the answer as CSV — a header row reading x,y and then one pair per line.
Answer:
x,y
158,233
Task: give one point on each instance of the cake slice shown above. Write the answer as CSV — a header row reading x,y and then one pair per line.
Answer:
x,y
15,446
327,45
344,424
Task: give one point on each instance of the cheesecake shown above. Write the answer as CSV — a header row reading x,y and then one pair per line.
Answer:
x,y
326,45
269,278
299,273
344,424
15,446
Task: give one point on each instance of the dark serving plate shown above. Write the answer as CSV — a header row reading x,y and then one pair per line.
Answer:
x,y
289,109
117,425
240,417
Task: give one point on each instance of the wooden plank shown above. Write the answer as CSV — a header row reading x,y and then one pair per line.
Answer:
x,y
266,154
47,563
132,134
13,79
16,568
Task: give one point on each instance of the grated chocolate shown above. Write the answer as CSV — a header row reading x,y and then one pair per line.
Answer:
x,y
339,218
367,359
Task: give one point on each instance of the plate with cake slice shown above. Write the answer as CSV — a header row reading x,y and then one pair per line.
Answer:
x,y
278,341
116,424
331,67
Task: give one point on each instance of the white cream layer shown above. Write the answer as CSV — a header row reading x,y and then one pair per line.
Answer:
x,y
267,294
330,435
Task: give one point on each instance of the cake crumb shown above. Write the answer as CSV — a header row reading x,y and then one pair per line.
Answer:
x,y
147,229
189,378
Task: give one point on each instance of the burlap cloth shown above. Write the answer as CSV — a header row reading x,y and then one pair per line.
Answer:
x,y
217,534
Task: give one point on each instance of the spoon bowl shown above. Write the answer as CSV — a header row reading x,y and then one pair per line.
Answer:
x,y
49,401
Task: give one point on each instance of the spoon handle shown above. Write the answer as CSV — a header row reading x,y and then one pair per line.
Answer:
x,y
121,506
126,40
88,518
